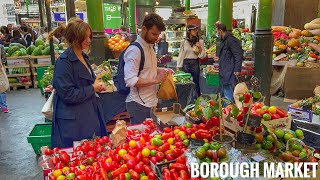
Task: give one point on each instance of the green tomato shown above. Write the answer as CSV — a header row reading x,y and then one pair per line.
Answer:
x,y
267,117
71,176
215,146
206,146
188,125
127,176
265,107
153,152
186,142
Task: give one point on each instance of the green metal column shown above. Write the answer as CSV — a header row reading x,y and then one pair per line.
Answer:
x,y
48,14
187,4
95,15
70,9
132,16
265,14
226,8
213,16
27,6
95,19
263,47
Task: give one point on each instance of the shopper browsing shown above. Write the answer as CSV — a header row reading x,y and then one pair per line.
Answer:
x,y
143,88
3,96
230,61
77,113
191,49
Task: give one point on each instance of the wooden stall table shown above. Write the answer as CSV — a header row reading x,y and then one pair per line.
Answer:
x,y
300,82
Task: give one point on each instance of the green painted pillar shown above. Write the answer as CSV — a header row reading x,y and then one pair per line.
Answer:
x,y
263,47
95,15
226,9
132,16
187,4
27,6
213,16
95,19
265,14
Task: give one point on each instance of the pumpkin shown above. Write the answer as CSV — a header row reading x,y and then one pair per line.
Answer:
x,y
283,47
293,42
316,38
295,33
306,33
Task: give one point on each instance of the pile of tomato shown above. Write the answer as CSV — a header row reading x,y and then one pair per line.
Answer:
x,y
96,159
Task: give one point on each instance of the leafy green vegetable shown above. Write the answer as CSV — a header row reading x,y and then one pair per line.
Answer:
x,y
47,77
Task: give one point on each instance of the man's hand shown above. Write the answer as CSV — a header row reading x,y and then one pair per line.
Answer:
x,y
237,73
161,76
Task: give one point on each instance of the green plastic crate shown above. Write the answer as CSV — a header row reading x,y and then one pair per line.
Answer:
x,y
181,73
40,136
40,72
212,79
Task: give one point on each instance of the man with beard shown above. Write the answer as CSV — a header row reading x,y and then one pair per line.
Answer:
x,y
144,87
230,61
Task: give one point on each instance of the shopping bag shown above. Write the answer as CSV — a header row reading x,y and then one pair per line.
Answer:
x,y
4,82
239,90
47,109
167,90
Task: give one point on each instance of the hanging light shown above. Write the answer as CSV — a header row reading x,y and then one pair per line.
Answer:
x,y
146,13
157,3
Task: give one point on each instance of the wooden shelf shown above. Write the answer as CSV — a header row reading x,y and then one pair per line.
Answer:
x,y
36,57
18,75
18,66
17,57
39,65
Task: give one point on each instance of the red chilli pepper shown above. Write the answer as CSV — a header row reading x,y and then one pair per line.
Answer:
x,y
174,174
118,171
281,113
247,98
178,166
104,174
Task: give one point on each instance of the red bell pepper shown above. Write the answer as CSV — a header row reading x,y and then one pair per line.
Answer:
x,y
104,174
281,113
174,174
178,166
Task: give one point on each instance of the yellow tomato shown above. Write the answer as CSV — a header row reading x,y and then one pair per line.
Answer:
x,y
132,143
109,160
144,178
175,132
65,170
272,109
193,136
57,173
145,152
122,152
170,141
206,140
172,147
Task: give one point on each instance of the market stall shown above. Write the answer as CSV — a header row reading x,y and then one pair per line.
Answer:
x,y
165,146
296,56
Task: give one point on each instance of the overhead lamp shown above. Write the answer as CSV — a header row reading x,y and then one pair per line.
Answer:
x,y
157,3
146,13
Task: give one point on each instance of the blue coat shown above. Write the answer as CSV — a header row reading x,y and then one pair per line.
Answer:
x,y
230,59
77,112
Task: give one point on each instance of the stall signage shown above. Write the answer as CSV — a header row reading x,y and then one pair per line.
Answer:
x,y
254,121
61,16
245,138
112,15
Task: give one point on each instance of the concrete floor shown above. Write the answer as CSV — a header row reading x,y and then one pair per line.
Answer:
x,y
17,159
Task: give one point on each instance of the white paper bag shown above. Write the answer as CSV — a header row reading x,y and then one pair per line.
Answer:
x,y
47,109
4,82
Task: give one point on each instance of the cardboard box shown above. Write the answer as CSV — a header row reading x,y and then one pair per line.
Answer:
x,y
168,116
231,125
283,123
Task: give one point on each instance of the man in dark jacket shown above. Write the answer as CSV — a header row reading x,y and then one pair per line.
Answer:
x,y
230,61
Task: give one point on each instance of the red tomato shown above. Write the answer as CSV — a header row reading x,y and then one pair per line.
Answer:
x,y
121,176
176,152
100,149
139,147
105,139
183,128
139,168
55,160
92,154
139,157
152,176
81,177
73,164
170,157
130,132
51,177
58,166
153,160
159,156
133,152
145,160
65,158
147,169
212,102
55,149
131,164
167,130
116,158
48,152
201,126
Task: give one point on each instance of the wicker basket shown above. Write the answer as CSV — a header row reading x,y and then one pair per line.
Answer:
x,y
116,54
312,65
288,147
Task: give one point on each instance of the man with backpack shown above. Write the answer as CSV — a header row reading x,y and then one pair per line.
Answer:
x,y
230,61
141,76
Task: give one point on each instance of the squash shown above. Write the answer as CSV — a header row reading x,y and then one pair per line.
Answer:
x,y
311,26
278,28
306,33
283,47
295,33
293,42
316,38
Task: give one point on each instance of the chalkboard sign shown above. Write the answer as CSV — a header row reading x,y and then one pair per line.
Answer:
x,y
196,142
254,121
245,138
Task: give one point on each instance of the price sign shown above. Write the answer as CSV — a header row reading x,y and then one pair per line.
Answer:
x,y
245,138
254,121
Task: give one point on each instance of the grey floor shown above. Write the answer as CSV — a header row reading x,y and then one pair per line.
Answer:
x,y
17,159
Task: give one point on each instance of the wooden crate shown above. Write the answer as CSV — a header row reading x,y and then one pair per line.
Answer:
x,y
40,61
15,86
